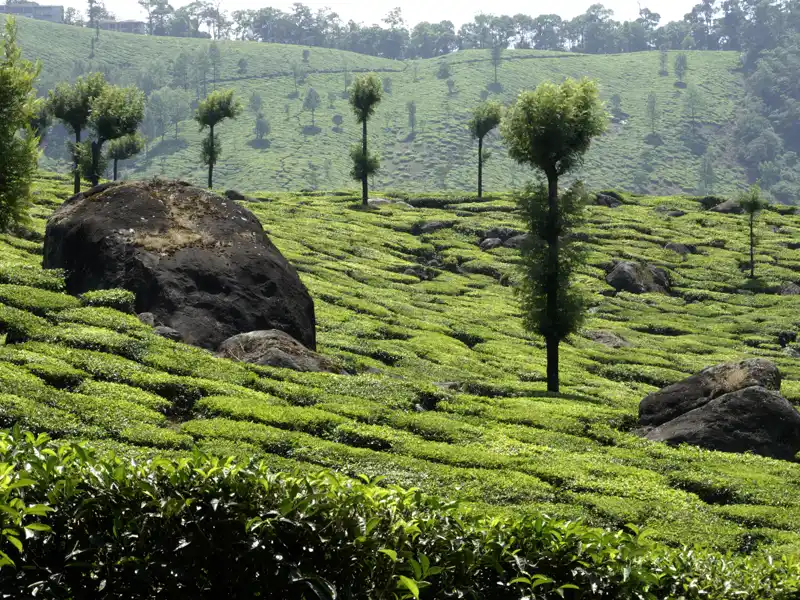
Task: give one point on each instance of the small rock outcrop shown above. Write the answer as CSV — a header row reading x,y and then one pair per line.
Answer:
x,y
275,348
732,407
378,202
431,227
502,233
199,263
607,338
629,276
682,249
608,200
729,207
790,289
516,241
491,243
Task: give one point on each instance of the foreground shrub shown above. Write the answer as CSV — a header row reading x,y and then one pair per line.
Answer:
x,y
78,525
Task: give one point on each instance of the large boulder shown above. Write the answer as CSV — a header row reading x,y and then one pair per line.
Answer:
x,y
752,419
628,276
275,348
699,389
201,264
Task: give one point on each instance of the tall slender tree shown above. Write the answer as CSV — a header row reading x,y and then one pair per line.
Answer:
x,y
365,94
752,203
312,102
72,105
485,118
220,105
19,144
551,129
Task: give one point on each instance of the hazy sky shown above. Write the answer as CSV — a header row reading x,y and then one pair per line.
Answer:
x,y
423,10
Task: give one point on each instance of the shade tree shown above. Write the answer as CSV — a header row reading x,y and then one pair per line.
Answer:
x,y
71,104
219,106
365,95
550,129
117,112
124,148
485,118
19,144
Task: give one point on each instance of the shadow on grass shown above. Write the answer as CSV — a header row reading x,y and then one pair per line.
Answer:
x,y
259,144
311,130
680,84
167,146
654,139
495,88
410,137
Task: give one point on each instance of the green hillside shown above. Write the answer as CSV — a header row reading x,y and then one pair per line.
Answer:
x,y
440,155
451,394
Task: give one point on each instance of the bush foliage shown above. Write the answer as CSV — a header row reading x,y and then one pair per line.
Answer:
x,y
80,524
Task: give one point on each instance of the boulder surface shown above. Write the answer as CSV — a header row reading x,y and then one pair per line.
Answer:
x,y
201,264
275,348
681,397
732,407
753,419
628,276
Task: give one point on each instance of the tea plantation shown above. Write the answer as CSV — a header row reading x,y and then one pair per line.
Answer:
x,y
436,153
447,393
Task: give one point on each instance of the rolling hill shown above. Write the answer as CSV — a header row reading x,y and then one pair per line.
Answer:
x,y
430,319
439,154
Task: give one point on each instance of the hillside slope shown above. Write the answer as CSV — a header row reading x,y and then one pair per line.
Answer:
x,y
439,154
455,399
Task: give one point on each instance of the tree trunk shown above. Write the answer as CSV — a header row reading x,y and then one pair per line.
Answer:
x,y
752,250
211,160
77,185
115,168
364,185
96,148
480,167
551,308
176,130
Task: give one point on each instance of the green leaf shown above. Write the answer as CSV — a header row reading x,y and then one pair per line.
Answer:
x,y
410,585
390,553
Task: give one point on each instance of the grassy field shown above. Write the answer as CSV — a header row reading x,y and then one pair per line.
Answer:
x,y
451,395
439,154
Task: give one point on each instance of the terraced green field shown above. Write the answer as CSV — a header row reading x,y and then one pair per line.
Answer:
x,y
450,394
438,154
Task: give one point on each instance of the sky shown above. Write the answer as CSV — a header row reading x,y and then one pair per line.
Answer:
x,y
414,11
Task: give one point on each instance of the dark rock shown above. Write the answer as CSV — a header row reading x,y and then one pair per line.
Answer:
x,y
612,340
490,243
275,348
752,419
234,195
627,276
517,241
682,249
675,213
790,289
201,264
717,243
606,199
699,389
786,337
431,227
169,333
502,233
709,202
729,207
148,318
